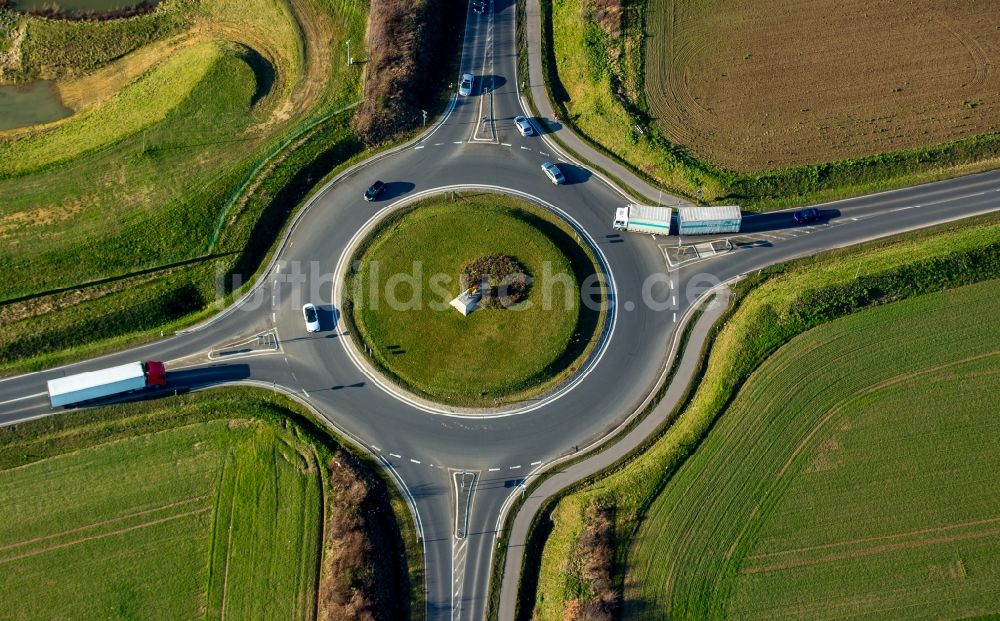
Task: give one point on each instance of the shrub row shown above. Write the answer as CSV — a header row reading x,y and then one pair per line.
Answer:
x,y
410,45
944,272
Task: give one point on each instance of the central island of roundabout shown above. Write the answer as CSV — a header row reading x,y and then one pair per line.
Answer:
x,y
534,292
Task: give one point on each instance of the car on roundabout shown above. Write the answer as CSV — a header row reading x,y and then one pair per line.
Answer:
x,y
523,125
374,190
465,86
311,316
555,175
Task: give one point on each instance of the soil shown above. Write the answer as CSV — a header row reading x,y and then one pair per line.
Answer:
x,y
755,84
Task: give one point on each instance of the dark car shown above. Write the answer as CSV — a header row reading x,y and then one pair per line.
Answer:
x,y
373,192
807,215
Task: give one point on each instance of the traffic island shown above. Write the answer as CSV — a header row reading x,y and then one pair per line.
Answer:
x,y
523,327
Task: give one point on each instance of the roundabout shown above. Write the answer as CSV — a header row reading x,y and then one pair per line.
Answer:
x,y
537,300
497,450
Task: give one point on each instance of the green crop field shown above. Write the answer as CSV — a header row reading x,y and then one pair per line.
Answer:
x,y
208,519
770,309
494,354
217,504
854,475
196,129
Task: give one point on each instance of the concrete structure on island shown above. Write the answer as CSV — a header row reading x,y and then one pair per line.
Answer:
x,y
466,301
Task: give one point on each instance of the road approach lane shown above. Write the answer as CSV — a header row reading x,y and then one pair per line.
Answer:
x,y
422,447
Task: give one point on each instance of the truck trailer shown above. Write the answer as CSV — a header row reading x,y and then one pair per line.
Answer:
x,y
82,387
643,219
708,220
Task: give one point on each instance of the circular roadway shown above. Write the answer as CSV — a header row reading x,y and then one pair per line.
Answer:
x,y
423,449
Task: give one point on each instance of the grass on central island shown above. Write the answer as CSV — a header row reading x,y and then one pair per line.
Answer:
x,y
493,355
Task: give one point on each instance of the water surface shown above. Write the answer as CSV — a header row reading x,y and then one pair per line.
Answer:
x,y
75,6
29,104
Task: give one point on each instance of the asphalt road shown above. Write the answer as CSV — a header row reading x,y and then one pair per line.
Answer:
x,y
425,449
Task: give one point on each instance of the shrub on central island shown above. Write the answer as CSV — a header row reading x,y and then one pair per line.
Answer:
x,y
499,279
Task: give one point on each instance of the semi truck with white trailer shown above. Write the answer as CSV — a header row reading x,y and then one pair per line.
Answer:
x,y
83,387
708,220
643,219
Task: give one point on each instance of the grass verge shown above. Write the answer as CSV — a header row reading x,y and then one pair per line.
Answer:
x,y
132,214
770,308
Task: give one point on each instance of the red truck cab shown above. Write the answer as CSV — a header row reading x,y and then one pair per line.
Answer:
x,y
156,374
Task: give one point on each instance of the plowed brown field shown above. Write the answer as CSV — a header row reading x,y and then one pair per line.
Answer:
x,y
758,84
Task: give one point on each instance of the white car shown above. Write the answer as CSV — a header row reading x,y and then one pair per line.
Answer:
x,y
465,86
553,173
311,316
523,125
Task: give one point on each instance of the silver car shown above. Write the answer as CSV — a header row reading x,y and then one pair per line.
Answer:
x,y
523,125
465,86
553,173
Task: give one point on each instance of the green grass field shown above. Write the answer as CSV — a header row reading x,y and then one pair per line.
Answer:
x,y
853,476
493,354
197,129
230,503
790,300
209,519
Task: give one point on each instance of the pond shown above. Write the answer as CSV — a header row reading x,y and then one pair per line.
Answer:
x,y
29,104
76,7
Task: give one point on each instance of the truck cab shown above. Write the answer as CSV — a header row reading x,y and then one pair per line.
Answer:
x,y
621,219
156,373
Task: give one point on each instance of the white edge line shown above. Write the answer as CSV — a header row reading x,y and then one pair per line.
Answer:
x,y
25,398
